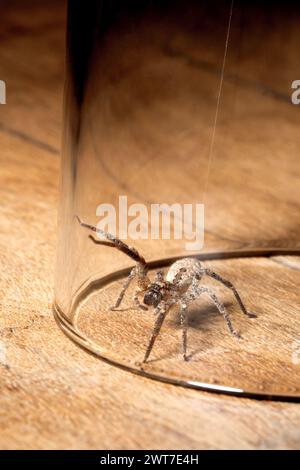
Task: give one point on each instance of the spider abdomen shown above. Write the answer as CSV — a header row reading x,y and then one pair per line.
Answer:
x,y
185,270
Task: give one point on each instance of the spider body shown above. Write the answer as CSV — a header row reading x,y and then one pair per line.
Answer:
x,y
181,286
189,268
178,280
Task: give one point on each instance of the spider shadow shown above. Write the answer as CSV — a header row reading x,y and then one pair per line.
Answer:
x,y
198,316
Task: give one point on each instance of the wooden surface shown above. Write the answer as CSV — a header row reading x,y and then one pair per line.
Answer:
x,y
52,394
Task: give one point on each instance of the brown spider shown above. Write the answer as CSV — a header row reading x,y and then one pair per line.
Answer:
x,y
181,285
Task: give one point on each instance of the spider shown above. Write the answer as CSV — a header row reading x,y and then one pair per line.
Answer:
x,y
180,286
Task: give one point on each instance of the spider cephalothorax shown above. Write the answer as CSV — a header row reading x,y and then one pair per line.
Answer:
x,y
153,295
180,286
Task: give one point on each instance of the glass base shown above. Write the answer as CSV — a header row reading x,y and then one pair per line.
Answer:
x,y
263,364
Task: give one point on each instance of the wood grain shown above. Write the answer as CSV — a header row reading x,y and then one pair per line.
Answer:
x,y
52,394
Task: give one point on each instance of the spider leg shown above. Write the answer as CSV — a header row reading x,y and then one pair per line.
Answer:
x,y
115,242
127,282
221,308
101,242
193,292
161,313
137,301
183,322
124,288
141,268
157,326
230,286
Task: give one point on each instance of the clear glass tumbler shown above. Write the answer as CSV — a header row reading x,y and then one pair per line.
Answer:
x,y
181,139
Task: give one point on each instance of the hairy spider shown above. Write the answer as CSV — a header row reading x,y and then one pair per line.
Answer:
x,y
181,286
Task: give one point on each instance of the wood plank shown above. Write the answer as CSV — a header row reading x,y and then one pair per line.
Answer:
x,y
54,395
